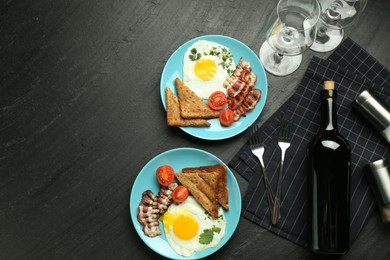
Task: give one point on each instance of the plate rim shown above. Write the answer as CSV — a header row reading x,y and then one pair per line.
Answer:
x,y
242,45
235,186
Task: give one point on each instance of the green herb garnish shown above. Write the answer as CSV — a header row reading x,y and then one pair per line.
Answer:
x,y
206,237
194,55
216,229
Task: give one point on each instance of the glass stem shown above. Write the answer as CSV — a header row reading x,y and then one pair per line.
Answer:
x,y
321,31
321,36
278,58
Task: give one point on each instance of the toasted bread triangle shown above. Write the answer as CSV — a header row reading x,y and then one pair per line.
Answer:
x,y
173,112
191,105
201,190
209,173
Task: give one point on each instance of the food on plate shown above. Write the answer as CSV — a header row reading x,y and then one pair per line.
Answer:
x,y
189,210
210,76
148,214
206,65
217,180
180,193
226,117
217,100
151,208
241,77
208,186
191,105
164,198
242,96
165,175
188,228
189,109
201,190
249,103
173,112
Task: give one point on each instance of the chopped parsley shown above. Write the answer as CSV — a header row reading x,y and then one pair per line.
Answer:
x,y
216,229
208,235
195,55
224,55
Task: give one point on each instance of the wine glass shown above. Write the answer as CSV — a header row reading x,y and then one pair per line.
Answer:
x,y
291,34
335,16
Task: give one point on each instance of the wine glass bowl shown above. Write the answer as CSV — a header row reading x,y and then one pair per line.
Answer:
x,y
292,33
335,16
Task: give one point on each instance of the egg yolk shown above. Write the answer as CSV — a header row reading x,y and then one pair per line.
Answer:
x,y
185,226
205,69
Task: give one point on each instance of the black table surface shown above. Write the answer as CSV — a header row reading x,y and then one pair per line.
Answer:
x,y
81,114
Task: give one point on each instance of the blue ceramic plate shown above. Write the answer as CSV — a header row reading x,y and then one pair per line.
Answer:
x,y
179,159
174,69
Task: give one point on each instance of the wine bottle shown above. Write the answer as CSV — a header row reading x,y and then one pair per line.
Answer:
x,y
329,158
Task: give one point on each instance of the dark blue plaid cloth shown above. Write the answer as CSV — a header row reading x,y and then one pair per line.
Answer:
x,y
353,70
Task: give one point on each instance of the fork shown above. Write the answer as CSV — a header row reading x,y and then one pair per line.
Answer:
x,y
284,142
257,148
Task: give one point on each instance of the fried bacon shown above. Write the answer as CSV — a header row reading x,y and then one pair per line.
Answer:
x,y
151,208
164,198
236,101
242,96
148,214
249,103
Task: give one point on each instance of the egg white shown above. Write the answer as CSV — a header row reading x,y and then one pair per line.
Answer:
x,y
205,221
215,52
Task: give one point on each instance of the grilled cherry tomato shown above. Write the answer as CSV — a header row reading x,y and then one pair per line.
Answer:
x,y
226,117
165,175
217,100
180,193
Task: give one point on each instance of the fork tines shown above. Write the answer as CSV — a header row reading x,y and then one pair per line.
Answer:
x,y
254,138
285,132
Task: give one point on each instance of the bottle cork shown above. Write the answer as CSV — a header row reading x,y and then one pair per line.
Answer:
x,y
329,85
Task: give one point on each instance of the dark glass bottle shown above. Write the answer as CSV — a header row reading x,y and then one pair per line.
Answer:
x,y
329,158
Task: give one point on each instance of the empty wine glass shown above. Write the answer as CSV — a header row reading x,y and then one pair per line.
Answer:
x,y
335,16
291,34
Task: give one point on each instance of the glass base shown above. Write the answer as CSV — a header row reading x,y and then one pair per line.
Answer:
x,y
286,65
329,42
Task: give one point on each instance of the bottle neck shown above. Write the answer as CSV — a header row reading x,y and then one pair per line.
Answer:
x,y
328,110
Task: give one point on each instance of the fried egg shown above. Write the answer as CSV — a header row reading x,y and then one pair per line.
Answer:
x,y
206,66
189,228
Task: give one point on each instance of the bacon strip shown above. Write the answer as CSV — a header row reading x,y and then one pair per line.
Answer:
x,y
164,198
242,96
148,214
151,208
236,101
249,103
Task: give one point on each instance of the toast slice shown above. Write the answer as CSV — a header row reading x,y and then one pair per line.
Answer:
x,y
191,105
208,173
173,112
201,191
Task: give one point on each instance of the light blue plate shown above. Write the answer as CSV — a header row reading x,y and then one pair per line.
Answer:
x,y
180,158
174,69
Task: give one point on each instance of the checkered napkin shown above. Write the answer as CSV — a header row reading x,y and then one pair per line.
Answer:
x,y
353,70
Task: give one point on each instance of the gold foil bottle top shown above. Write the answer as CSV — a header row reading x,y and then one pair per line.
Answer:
x,y
329,85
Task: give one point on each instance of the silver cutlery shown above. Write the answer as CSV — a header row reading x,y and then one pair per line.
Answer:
x,y
284,142
257,147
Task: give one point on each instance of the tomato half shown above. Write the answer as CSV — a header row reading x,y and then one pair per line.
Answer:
x,y
180,193
165,175
226,117
217,100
